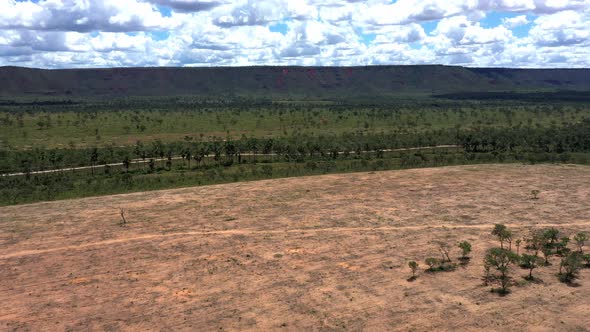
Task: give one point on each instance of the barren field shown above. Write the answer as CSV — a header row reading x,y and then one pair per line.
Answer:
x,y
312,253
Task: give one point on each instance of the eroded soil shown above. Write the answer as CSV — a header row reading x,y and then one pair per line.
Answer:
x,y
311,253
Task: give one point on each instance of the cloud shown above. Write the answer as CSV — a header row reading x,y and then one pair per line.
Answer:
x,y
513,22
561,29
188,5
93,33
81,16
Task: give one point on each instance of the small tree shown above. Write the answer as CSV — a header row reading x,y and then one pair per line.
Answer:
x,y
126,163
501,259
535,194
562,248
580,239
530,262
414,267
122,213
536,241
487,277
518,242
551,235
444,249
465,249
570,266
503,234
546,249
431,262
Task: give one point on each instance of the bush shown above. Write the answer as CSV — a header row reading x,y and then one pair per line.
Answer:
x,y
500,259
570,267
465,249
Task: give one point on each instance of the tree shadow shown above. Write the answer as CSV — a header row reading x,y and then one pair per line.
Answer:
x,y
533,280
412,278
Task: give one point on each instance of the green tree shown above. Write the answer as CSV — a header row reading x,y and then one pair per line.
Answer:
x,y
570,266
551,235
93,158
501,260
547,250
561,246
503,234
580,239
126,163
465,249
530,262
414,267
432,263
444,250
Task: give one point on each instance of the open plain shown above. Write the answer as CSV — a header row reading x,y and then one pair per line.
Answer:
x,y
310,253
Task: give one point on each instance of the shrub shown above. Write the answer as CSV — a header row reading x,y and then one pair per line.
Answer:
x,y
465,249
414,267
580,239
530,262
570,266
432,263
500,259
503,234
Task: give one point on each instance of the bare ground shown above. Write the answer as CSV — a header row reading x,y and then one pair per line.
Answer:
x,y
311,253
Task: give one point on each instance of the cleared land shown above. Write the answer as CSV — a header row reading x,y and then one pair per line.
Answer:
x,y
322,253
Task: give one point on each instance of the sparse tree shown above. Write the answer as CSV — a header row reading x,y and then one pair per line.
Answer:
x,y
546,249
465,249
444,250
414,267
503,234
551,235
501,259
580,239
530,262
562,248
151,165
570,266
126,163
536,241
487,277
122,213
518,242
432,263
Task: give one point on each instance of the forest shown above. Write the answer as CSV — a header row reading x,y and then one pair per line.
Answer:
x,y
145,143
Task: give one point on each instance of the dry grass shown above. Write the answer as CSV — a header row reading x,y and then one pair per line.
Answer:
x,y
313,253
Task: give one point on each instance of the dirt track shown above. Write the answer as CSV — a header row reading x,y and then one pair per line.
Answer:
x,y
320,253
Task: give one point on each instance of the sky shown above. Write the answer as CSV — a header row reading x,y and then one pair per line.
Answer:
x,y
146,33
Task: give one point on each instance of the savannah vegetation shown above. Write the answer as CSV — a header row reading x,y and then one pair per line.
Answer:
x,y
138,144
500,263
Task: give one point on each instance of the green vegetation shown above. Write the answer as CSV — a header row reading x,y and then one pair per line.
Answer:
x,y
498,261
413,267
145,143
501,259
530,262
465,249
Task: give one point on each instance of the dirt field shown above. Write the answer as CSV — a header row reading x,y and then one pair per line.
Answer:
x,y
313,253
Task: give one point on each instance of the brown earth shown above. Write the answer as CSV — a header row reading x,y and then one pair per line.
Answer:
x,y
310,253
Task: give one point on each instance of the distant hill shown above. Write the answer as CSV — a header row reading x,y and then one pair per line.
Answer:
x,y
293,82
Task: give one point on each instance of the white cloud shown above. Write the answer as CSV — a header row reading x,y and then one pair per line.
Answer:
x,y
514,22
93,33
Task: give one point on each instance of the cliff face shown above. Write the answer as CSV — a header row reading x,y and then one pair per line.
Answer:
x,y
285,81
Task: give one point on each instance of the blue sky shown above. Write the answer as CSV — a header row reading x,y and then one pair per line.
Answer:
x,y
112,33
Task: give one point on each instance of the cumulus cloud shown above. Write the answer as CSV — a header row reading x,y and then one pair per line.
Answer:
x,y
188,5
513,22
94,33
81,16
